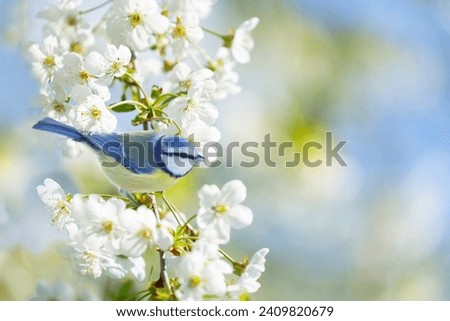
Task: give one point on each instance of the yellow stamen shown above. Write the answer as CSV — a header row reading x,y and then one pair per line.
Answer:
x,y
95,113
84,76
49,61
59,108
116,66
179,31
76,47
108,226
220,209
135,19
72,21
145,234
194,281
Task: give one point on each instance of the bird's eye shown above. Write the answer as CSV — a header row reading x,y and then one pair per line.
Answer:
x,y
179,154
183,155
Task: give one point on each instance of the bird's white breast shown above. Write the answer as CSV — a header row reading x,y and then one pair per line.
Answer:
x,y
132,182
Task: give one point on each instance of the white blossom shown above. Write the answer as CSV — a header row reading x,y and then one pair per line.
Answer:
x,y
243,42
182,77
54,103
248,281
77,40
112,64
227,83
52,195
92,115
142,232
195,105
98,239
201,273
100,219
74,74
62,18
185,31
45,59
122,265
134,22
90,256
221,210
226,78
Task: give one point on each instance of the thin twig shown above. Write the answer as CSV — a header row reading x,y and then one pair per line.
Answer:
x,y
97,7
213,32
173,210
163,275
229,258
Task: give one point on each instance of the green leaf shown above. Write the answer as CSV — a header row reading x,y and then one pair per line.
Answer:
x,y
125,108
164,100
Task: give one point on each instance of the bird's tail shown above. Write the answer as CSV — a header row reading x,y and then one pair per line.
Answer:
x,y
50,125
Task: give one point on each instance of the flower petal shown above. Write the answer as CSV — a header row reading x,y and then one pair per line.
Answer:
x,y
95,64
234,192
157,23
222,231
163,239
205,217
209,195
256,264
240,216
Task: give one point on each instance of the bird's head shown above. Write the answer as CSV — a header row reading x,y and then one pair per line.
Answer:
x,y
178,155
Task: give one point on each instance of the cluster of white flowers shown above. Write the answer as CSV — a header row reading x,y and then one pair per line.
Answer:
x,y
135,45
145,57
111,236
203,272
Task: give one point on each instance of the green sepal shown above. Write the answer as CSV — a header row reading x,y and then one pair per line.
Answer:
x,y
164,100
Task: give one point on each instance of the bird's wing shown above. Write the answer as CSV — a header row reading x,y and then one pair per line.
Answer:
x,y
140,152
111,144
97,141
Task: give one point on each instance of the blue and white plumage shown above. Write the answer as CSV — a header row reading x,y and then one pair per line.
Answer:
x,y
137,161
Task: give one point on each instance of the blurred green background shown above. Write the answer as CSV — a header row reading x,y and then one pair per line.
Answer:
x,y
375,73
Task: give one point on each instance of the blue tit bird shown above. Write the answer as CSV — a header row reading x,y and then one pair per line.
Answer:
x,y
136,161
